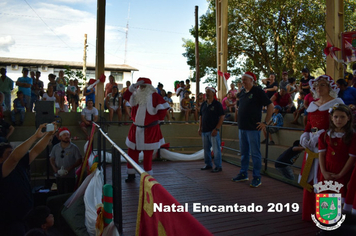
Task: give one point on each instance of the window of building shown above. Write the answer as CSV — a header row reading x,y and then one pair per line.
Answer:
x,y
119,76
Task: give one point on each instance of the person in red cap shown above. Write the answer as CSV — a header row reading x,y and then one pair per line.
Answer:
x,y
251,100
65,157
210,121
89,93
147,109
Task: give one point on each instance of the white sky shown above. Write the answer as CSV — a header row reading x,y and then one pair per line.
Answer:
x,y
55,29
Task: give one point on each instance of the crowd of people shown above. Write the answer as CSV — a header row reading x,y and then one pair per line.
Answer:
x,y
328,108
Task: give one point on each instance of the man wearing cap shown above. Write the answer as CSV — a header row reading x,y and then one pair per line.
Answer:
x,y
6,86
210,121
25,84
251,101
147,109
304,82
284,82
65,157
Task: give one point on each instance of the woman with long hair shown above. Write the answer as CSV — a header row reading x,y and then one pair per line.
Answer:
x,y
113,103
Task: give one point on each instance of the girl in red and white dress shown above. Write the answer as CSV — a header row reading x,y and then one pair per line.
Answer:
x,y
326,90
337,148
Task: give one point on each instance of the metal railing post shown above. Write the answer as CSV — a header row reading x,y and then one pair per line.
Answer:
x,y
266,155
99,149
117,189
104,159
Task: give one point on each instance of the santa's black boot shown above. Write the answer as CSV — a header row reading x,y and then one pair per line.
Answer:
x,y
130,178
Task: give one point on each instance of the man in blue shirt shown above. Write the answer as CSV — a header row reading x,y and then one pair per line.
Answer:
x,y
25,84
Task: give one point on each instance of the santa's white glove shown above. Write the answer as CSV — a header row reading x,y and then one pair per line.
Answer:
x,y
133,87
314,138
304,139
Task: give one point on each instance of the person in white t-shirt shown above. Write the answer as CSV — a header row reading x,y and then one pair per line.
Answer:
x,y
50,95
89,114
180,92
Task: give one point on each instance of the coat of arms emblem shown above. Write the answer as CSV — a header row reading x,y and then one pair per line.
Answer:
x,y
328,205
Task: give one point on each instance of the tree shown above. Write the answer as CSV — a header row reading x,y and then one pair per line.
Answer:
x,y
268,36
74,74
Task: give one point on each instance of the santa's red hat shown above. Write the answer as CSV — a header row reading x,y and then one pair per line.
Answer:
x,y
146,81
63,130
250,75
211,89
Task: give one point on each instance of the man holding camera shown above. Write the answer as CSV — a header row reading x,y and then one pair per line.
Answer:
x,y
15,189
65,157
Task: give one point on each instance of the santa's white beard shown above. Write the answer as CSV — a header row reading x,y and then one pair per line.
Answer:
x,y
141,96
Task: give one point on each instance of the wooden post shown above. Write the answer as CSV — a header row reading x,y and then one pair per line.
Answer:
x,y
197,70
221,43
334,28
100,49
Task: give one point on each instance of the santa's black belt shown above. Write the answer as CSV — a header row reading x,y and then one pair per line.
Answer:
x,y
149,125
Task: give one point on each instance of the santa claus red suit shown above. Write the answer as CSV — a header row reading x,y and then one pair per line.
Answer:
x,y
147,109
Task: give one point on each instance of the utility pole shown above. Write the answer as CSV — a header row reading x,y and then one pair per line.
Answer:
x,y
127,32
197,71
85,56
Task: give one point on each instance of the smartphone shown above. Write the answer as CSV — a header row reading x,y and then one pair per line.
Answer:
x,y
49,127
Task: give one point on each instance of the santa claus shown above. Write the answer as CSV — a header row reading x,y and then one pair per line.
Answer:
x,y
147,109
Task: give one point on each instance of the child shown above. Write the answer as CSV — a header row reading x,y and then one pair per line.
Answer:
x,y
276,120
337,147
52,82
167,98
40,217
185,104
194,109
19,107
187,85
71,92
300,108
61,86
289,156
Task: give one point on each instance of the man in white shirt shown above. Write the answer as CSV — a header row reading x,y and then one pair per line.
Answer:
x,y
89,114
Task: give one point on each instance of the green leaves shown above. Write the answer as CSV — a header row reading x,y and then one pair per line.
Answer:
x,y
267,36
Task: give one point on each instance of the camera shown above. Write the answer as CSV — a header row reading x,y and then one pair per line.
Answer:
x,y
49,127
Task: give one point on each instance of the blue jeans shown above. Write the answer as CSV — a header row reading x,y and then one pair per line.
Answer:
x,y
21,111
34,99
250,143
208,142
7,99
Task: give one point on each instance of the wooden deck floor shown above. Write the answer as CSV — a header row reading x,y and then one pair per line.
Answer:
x,y
188,184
